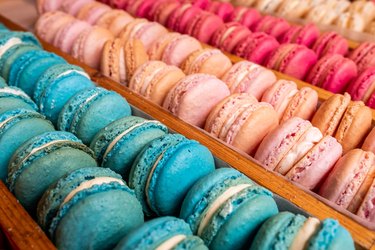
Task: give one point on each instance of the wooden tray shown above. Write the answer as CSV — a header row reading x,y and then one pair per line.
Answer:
x,y
23,232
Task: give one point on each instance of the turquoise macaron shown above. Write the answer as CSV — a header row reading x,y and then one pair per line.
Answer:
x,y
56,86
16,127
289,231
26,69
117,145
91,110
8,58
14,98
9,39
2,82
41,161
95,214
162,233
166,169
226,209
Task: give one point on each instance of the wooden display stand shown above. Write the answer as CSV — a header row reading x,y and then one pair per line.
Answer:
x,y
23,233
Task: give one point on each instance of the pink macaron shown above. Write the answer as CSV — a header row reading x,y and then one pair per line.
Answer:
x,y
114,21
222,9
293,60
202,4
364,86
364,56
180,17
248,17
248,77
301,34
92,11
193,97
367,208
72,7
203,25
369,143
273,26
333,73
162,11
44,6
330,43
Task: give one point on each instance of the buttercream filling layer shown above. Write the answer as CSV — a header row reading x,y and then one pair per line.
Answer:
x,y
171,243
10,43
308,229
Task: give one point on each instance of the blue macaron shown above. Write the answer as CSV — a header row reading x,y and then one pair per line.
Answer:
x,y
117,145
91,110
162,233
16,127
8,39
94,210
56,86
286,230
26,69
165,171
41,161
14,98
2,82
226,209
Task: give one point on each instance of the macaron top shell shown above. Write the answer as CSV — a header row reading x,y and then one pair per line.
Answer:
x,y
13,97
179,48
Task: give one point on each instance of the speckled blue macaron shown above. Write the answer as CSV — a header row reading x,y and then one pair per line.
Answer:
x,y
2,82
226,209
162,233
91,110
14,98
41,161
56,86
165,171
16,37
96,217
26,69
117,145
16,127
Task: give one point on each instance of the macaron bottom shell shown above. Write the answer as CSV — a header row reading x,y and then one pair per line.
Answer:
x,y
10,103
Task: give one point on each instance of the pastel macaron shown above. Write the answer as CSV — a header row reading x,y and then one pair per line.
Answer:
x,y
46,6
117,145
14,98
203,25
193,97
165,170
90,110
273,26
225,209
369,144
248,17
363,56
362,88
366,209
72,7
162,233
92,11
301,34
289,231
86,192
41,161
18,126
114,20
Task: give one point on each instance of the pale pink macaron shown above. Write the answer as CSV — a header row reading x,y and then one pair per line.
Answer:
x,y
49,24
248,77
89,45
91,12
179,48
316,164
223,112
279,95
66,35
194,96
114,20
367,208
72,7
369,144
157,48
278,142
350,179
44,6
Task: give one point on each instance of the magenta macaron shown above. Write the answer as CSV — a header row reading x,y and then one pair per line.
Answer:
x,y
330,43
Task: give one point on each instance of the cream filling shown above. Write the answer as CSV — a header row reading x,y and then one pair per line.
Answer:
x,y
117,138
148,79
308,229
122,66
81,107
231,119
208,214
89,184
13,91
227,34
10,43
150,176
137,28
171,243
7,120
73,70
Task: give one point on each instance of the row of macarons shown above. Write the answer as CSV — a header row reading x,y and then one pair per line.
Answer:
x,y
166,166
352,15
300,62
349,115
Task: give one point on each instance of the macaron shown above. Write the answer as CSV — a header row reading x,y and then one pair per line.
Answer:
x,y
301,34
92,11
352,21
330,43
248,17
350,179
292,9
154,79
14,98
156,50
193,97
182,16
89,45
207,61
72,7
248,77
293,60
56,86
18,126
162,233
90,110
203,25
333,73
225,209
289,231
83,194
165,170
41,161
267,6
117,145
46,6
366,210
179,48
363,86
369,144
363,56
273,26
316,164
161,12
328,116
9,39
114,20
221,9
